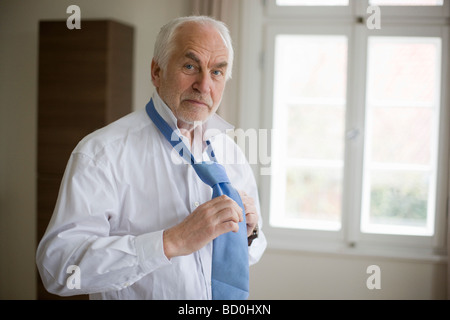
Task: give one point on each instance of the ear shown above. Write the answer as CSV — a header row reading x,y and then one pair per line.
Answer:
x,y
156,74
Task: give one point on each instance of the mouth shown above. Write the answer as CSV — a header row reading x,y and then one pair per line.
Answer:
x,y
198,103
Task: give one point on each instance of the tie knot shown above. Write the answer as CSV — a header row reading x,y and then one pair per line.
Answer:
x,y
211,173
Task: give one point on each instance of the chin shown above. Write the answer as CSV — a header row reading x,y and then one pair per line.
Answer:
x,y
191,118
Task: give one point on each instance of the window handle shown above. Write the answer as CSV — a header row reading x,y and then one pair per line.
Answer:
x,y
352,134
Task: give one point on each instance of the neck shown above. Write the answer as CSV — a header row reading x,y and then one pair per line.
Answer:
x,y
186,130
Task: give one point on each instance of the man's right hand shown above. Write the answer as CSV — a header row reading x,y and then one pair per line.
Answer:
x,y
213,218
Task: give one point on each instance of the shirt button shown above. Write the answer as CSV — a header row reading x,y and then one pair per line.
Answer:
x,y
196,204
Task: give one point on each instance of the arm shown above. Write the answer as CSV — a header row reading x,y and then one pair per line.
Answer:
x,y
79,234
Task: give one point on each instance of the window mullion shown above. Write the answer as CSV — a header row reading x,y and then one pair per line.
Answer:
x,y
355,127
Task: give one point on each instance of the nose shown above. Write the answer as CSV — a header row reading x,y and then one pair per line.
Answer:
x,y
203,83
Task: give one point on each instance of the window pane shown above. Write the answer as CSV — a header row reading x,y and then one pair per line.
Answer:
x,y
309,120
312,2
411,65
400,165
407,2
402,135
305,134
315,68
399,198
313,197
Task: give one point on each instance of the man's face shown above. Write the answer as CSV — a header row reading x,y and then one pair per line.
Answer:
x,y
194,80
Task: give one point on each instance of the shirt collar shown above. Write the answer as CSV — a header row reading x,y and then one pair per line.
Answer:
x,y
212,127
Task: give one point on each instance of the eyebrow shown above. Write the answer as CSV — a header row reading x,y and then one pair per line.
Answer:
x,y
192,56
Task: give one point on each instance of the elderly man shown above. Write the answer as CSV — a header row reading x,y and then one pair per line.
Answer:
x,y
133,217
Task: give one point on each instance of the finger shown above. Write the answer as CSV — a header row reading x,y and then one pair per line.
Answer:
x,y
246,199
250,209
242,193
227,220
227,227
229,214
251,218
252,221
224,202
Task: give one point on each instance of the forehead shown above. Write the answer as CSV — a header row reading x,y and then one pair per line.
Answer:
x,y
203,39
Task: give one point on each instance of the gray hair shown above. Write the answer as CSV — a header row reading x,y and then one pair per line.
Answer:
x,y
165,45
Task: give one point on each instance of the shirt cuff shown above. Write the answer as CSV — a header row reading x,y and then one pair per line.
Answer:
x,y
150,251
257,248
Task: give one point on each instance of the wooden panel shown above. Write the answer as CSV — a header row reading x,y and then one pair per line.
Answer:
x,y
119,75
48,188
84,83
73,68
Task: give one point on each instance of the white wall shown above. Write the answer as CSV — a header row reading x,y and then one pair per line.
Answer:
x,y
291,275
18,113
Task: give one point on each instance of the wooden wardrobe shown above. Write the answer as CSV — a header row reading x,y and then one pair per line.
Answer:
x,y
84,83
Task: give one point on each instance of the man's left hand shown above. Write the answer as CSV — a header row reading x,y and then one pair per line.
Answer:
x,y
251,215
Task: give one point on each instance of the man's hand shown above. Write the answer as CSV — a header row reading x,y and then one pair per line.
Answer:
x,y
251,215
213,218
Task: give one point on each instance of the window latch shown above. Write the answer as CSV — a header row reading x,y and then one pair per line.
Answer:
x,y
352,134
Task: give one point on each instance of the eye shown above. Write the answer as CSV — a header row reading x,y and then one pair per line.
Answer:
x,y
189,67
217,72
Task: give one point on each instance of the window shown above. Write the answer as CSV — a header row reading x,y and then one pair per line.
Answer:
x,y
402,122
312,2
309,88
360,125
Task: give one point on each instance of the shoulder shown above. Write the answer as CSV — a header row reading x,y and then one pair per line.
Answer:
x,y
229,152
115,134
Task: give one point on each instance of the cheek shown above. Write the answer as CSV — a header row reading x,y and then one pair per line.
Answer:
x,y
217,92
183,84
173,87
176,80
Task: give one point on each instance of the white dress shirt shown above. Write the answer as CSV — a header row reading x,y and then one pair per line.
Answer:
x,y
123,186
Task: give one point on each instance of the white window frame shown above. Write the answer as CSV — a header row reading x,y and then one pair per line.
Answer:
x,y
319,236
408,12
306,12
404,244
261,21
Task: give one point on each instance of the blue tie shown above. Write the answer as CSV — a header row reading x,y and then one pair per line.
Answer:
x,y
230,268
